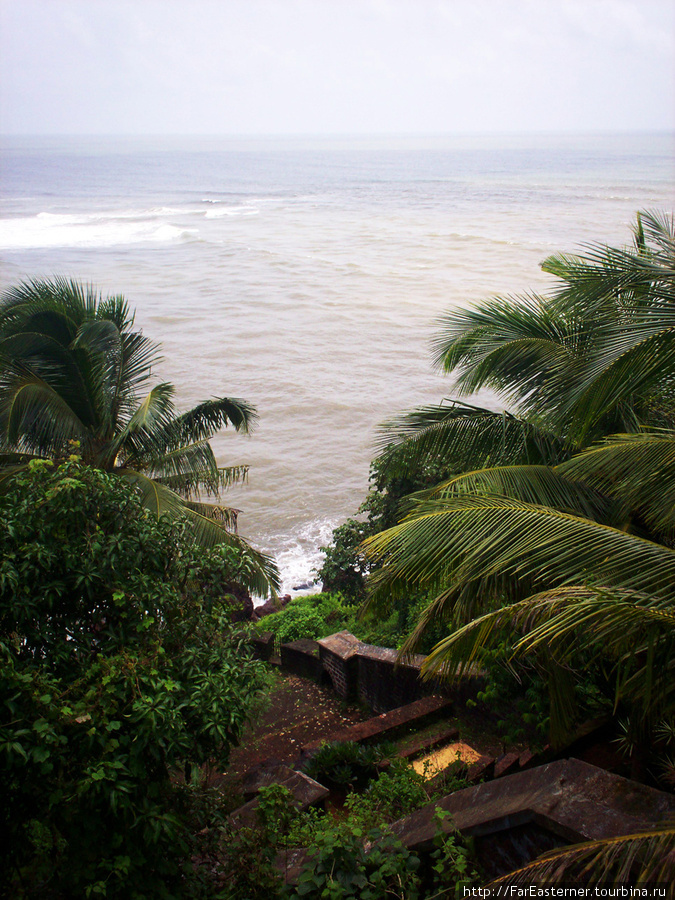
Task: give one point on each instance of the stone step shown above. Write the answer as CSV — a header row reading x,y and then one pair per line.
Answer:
x,y
387,725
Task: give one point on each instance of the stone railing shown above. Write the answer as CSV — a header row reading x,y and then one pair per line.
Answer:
x,y
358,671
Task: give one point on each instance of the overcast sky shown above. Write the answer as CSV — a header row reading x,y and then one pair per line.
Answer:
x,y
335,66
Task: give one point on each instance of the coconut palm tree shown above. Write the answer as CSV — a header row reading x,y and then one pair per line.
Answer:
x,y
573,558
595,356
75,373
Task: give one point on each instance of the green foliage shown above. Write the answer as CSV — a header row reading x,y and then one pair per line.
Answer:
x,y
344,568
520,701
72,368
116,672
392,477
341,867
397,792
311,616
346,764
243,865
453,865
353,854
567,555
318,615
354,858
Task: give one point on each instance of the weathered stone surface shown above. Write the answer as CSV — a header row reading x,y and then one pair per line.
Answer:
x,y
338,658
526,759
506,851
482,769
262,775
272,606
570,799
302,658
388,724
343,644
262,645
306,792
507,764
385,682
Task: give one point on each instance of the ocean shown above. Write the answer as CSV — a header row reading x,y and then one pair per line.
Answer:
x,y
306,275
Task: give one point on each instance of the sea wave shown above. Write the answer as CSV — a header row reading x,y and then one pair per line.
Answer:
x,y
221,211
298,555
91,230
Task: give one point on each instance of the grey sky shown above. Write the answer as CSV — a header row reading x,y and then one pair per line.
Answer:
x,y
335,66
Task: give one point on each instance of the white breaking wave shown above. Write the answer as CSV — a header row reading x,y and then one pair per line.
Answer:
x,y
91,230
221,211
298,555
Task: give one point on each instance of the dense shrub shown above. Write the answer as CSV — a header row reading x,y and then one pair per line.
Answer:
x,y
346,764
311,617
117,671
355,855
319,615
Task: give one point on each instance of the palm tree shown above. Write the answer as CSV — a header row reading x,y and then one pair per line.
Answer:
x,y
594,357
577,557
633,859
72,373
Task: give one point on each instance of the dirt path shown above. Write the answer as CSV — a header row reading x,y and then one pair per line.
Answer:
x,y
299,711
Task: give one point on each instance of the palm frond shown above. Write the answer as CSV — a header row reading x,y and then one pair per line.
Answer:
x,y
642,859
154,413
465,436
224,515
35,417
71,367
259,572
634,360
532,484
204,420
447,543
517,346
616,624
638,469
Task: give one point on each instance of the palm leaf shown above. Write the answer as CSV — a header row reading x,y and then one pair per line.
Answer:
x,y
465,436
204,420
517,346
260,572
33,416
538,485
638,469
646,858
459,540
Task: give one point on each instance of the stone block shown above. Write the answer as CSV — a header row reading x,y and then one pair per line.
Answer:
x,y
339,662
507,764
305,790
527,759
262,645
302,658
481,770
387,725
385,682
569,799
417,747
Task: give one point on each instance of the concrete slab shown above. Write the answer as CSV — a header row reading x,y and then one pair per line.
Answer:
x,y
507,764
568,798
343,644
482,770
305,790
